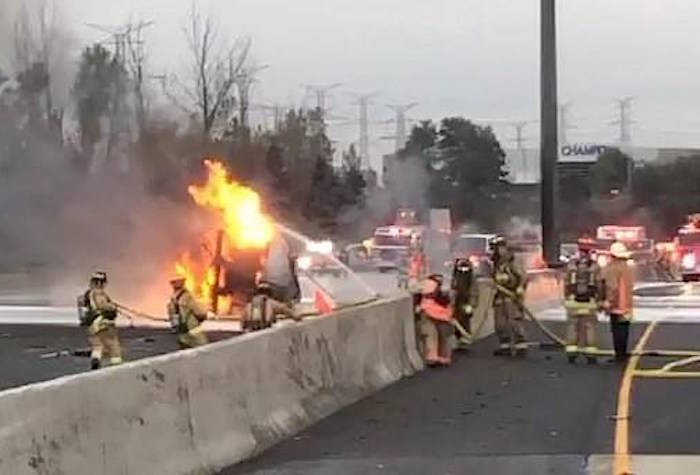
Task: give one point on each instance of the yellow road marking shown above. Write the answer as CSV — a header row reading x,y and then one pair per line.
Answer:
x,y
657,373
681,363
621,460
670,353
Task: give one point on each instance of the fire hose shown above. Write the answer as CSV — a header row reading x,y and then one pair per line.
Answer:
x,y
130,313
518,301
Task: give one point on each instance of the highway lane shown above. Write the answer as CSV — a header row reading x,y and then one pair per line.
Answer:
x,y
510,416
483,415
33,353
36,341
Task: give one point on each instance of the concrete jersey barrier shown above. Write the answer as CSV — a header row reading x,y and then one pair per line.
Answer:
x,y
199,410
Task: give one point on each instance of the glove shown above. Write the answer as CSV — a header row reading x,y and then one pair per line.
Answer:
x,y
520,292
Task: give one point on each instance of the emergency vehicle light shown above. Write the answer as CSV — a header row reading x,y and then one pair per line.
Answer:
x,y
688,261
304,262
320,247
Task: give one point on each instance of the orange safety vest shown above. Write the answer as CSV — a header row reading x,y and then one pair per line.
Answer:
x,y
434,310
416,266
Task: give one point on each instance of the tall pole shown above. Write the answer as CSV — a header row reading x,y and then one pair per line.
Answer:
x,y
548,136
364,132
520,146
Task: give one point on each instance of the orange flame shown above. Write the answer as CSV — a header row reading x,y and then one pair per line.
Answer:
x,y
244,224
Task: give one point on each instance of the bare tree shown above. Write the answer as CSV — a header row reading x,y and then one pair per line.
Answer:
x,y
215,65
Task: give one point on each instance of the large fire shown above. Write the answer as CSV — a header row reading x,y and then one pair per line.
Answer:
x,y
241,219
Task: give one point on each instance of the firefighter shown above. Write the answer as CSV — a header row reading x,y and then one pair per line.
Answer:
x,y
186,316
465,292
100,319
436,313
583,293
508,300
277,289
619,287
416,264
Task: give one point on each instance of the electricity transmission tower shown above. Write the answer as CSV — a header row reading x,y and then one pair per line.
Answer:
x,y
363,100
624,120
519,141
129,55
320,92
401,135
244,81
565,122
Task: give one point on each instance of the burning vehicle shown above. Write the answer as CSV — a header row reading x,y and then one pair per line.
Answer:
x,y
248,258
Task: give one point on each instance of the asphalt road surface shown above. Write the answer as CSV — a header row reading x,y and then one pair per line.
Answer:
x,y
33,353
538,415
482,415
38,342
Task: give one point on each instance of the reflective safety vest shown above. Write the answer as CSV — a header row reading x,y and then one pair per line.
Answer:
x,y
583,280
185,314
434,310
506,275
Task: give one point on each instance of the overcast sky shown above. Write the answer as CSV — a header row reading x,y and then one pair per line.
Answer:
x,y
477,58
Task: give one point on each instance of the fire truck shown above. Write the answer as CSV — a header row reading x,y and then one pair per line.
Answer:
x,y
390,246
688,248
634,237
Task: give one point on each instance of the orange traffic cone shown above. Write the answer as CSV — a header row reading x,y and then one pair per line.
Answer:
x,y
322,302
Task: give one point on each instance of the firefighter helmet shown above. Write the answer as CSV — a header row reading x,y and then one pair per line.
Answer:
x,y
496,242
586,244
463,264
99,277
177,281
619,250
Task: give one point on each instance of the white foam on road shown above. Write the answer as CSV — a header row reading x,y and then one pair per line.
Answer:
x,y
641,314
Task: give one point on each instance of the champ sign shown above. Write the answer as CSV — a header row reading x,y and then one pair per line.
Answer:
x,y
580,153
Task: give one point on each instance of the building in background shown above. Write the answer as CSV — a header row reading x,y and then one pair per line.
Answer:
x,y
523,164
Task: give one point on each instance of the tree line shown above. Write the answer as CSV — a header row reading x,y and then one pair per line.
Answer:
x,y
121,122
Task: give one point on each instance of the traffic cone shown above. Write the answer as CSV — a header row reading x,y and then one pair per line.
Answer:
x,y
322,302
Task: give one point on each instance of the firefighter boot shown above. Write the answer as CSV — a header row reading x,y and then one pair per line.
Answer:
x,y
94,364
502,350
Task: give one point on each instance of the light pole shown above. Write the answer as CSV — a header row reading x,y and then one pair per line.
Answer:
x,y
549,153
